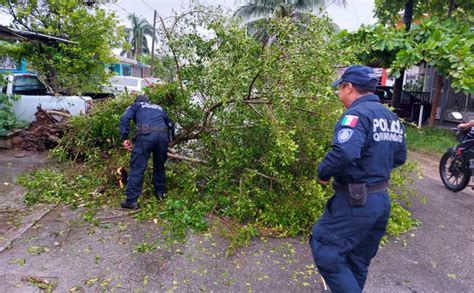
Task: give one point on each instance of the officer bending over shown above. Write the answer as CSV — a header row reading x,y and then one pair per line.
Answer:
x,y
369,141
153,129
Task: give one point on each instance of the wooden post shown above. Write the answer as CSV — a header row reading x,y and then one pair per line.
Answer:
x,y
437,95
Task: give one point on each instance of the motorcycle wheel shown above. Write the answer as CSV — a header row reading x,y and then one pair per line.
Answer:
x,y
454,175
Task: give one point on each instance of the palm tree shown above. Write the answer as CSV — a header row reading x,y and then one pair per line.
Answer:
x,y
255,13
252,10
136,35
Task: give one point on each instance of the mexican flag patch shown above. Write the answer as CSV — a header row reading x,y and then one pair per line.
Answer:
x,y
350,120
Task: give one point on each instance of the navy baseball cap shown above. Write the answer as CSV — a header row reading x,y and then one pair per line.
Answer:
x,y
359,75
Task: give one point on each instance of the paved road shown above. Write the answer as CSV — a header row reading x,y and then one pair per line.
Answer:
x,y
60,248
439,255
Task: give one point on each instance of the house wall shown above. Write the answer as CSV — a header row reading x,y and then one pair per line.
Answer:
x,y
136,72
11,65
131,70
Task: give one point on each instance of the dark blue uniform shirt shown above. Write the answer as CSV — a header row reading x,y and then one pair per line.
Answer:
x,y
144,113
369,141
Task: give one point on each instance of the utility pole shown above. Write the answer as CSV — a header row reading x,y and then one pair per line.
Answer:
x,y
153,44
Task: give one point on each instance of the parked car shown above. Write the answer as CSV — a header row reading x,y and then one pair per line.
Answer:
x,y
33,93
119,84
152,80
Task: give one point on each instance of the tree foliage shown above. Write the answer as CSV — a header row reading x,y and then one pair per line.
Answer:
x,y
164,66
256,14
136,36
388,11
8,120
447,44
259,9
69,68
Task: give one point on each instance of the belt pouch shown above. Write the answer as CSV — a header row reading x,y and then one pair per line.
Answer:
x,y
145,129
357,194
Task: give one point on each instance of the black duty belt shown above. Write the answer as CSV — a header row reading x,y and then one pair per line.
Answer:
x,y
377,187
150,128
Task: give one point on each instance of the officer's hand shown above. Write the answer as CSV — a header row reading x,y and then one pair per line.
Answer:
x,y
463,126
322,182
127,144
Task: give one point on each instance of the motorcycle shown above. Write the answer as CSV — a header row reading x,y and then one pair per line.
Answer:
x,y
457,165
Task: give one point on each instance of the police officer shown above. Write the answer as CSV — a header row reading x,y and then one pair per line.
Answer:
x,y
153,129
368,143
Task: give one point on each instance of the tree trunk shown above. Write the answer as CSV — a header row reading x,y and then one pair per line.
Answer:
x,y
397,89
437,95
408,14
450,7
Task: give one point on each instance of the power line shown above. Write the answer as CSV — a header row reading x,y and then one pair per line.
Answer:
x,y
147,5
128,12
355,12
121,7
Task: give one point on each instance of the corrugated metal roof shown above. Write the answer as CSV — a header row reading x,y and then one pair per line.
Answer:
x,y
7,33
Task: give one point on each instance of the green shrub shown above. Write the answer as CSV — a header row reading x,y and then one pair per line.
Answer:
x,y
8,119
429,140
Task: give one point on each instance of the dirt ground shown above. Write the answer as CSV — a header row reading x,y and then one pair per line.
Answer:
x,y
51,246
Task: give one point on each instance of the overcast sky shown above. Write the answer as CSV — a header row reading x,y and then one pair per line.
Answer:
x,y
350,17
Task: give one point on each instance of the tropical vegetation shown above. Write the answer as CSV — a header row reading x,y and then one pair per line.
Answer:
x,y
256,14
442,36
137,36
67,67
8,119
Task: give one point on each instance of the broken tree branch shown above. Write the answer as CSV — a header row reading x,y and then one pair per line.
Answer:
x,y
54,112
183,158
178,68
261,174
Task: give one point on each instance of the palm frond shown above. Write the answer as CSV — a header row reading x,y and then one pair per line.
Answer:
x,y
251,12
310,4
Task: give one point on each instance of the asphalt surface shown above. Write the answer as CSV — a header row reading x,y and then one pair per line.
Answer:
x,y
55,246
438,256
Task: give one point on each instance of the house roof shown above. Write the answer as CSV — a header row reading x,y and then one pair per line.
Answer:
x,y
11,34
126,60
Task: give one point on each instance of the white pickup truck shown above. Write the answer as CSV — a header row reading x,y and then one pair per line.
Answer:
x,y
33,93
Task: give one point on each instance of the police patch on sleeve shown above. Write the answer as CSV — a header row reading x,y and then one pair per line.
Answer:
x,y
344,135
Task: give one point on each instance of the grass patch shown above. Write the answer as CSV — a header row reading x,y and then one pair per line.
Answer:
x,y
429,140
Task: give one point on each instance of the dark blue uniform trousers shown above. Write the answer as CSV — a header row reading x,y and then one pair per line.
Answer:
x,y
346,238
138,163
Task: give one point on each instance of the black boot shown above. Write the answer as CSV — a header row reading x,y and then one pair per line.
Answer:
x,y
160,196
126,204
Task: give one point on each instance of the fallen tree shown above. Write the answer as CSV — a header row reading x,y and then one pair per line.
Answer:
x,y
253,120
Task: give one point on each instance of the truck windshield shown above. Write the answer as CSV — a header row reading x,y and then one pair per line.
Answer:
x,y
28,85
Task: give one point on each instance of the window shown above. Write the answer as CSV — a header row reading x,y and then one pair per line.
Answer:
x,y
126,70
28,84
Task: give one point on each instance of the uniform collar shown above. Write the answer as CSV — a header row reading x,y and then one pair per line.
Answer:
x,y
368,98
